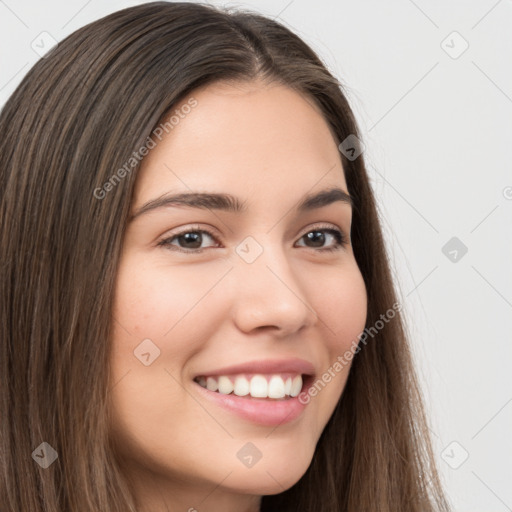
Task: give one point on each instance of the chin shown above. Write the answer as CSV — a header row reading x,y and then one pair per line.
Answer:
x,y
268,479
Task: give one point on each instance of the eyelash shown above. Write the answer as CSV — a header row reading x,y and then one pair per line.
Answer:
x,y
341,240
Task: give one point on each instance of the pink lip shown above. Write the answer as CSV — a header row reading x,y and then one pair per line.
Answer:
x,y
262,411
293,365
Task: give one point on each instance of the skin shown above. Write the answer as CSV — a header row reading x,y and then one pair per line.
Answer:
x,y
269,146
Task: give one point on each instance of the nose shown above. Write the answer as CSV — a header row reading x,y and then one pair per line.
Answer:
x,y
268,294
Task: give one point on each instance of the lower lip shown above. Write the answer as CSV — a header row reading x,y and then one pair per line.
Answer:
x,y
262,411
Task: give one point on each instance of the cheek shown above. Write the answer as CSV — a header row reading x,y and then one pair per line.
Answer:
x,y
147,307
167,306
151,301
147,400
341,305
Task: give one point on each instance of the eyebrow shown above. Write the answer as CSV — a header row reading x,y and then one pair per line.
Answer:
x,y
229,203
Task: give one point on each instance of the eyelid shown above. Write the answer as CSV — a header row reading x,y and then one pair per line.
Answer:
x,y
342,234
191,228
325,226
321,226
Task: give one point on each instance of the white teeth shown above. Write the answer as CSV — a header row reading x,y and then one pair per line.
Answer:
x,y
211,384
296,386
242,386
276,387
225,385
259,386
288,386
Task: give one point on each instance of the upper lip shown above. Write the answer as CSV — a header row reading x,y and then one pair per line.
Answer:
x,y
269,366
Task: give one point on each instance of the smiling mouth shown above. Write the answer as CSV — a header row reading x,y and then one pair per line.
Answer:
x,y
280,386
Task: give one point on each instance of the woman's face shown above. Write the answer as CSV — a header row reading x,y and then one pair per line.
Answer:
x,y
262,287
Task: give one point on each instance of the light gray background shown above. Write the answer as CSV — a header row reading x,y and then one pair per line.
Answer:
x,y
438,132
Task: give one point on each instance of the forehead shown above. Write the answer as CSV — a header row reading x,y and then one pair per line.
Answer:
x,y
247,138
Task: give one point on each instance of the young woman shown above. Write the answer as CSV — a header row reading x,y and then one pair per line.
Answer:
x,y
197,311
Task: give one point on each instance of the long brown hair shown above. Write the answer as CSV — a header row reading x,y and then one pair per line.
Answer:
x,y
78,115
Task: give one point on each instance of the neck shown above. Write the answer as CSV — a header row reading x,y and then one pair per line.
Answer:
x,y
160,493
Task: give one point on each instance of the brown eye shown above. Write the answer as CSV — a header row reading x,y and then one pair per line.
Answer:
x,y
188,241
318,238
191,240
